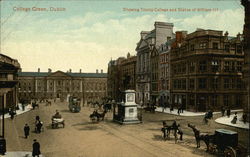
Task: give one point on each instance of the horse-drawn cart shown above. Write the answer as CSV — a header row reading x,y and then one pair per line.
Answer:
x,y
56,122
225,142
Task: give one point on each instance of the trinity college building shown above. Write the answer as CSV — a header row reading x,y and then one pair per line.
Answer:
x,y
89,87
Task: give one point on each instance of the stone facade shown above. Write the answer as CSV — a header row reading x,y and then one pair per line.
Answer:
x,y
115,79
149,39
164,73
8,80
89,87
128,69
206,71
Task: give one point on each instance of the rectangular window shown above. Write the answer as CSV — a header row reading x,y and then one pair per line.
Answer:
x,y
239,66
239,83
227,48
233,66
191,84
226,100
233,85
215,65
179,84
202,83
214,100
175,84
203,66
214,83
203,45
226,66
215,46
226,83
239,49
192,47
192,67
183,83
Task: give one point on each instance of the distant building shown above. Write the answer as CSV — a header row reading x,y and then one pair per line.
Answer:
x,y
206,71
149,39
114,79
128,72
89,87
8,81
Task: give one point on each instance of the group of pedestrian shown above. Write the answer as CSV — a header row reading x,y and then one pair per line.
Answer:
x,y
36,146
180,109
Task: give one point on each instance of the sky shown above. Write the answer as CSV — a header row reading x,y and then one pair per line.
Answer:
x,y
88,34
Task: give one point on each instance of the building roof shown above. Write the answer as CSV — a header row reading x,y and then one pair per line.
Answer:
x,y
44,74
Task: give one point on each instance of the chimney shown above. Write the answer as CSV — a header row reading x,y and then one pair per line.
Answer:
x,y
38,70
80,70
96,70
70,70
49,70
101,71
144,33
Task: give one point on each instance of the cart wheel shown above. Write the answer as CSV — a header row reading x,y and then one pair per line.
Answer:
x,y
229,152
212,149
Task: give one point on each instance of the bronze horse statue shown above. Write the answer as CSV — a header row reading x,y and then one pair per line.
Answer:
x,y
198,136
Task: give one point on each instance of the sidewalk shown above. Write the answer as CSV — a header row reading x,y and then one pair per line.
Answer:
x,y
188,113
18,112
227,121
19,154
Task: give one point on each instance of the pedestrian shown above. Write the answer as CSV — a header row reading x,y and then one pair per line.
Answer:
x,y
23,106
182,108
222,111
228,112
179,110
171,108
36,149
234,119
33,105
39,127
244,118
26,130
12,113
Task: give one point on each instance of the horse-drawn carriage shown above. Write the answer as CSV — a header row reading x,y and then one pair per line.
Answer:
x,y
226,142
95,116
74,104
223,142
57,120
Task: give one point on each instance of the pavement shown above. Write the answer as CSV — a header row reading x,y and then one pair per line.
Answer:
x,y
18,112
188,113
19,154
227,121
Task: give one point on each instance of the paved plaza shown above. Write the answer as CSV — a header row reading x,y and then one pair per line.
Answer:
x,y
82,138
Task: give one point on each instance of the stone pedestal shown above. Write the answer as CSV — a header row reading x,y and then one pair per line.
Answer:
x,y
126,112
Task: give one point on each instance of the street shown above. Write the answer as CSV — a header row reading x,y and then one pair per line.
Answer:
x,y
82,138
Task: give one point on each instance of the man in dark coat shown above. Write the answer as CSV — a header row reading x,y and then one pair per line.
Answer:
x,y
36,149
39,126
26,130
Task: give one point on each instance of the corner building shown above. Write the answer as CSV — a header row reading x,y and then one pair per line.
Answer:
x,y
206,71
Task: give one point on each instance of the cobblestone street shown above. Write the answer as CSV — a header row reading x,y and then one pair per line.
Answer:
x,y
82,138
